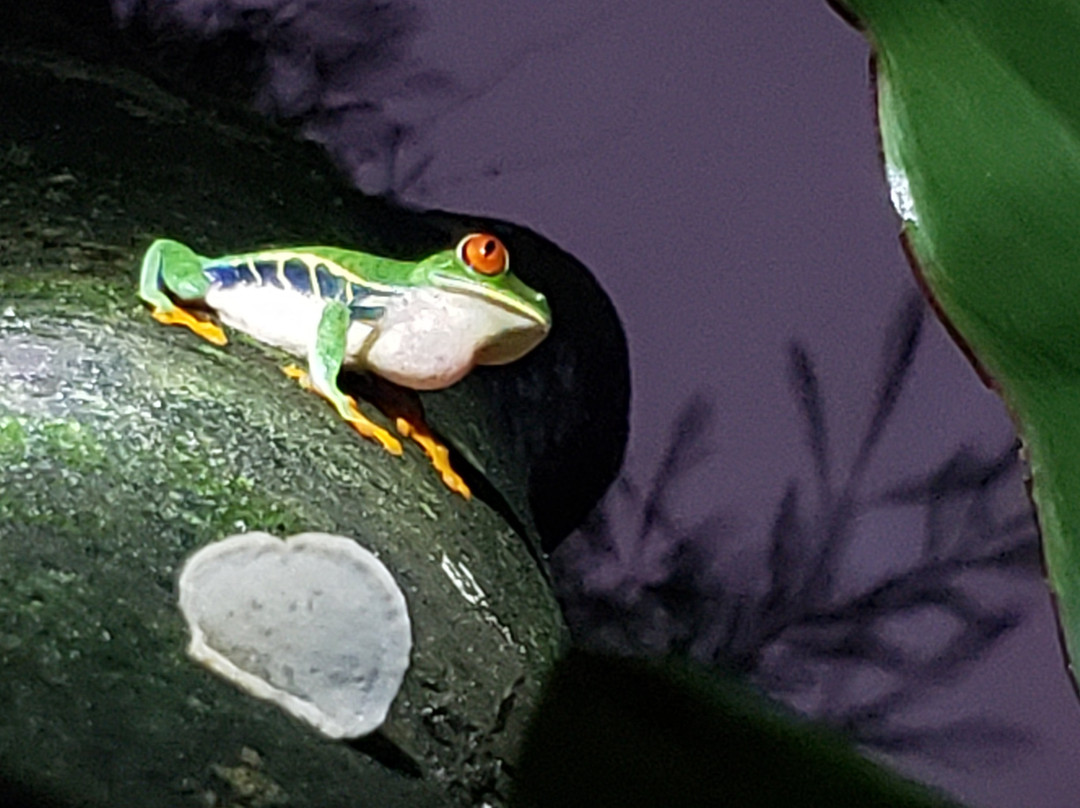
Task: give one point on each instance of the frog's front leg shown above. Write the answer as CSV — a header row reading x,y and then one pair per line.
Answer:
x,y
325,358
177,268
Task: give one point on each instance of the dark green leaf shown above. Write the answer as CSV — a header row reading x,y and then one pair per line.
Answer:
x,y
979,108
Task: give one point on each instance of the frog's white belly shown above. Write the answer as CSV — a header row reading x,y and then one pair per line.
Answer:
x,y
425,338
284,318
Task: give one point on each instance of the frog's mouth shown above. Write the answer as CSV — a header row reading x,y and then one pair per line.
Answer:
x,y
497,297
510,345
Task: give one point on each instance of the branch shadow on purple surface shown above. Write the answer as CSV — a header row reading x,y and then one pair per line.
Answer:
x,y
635,580
341,72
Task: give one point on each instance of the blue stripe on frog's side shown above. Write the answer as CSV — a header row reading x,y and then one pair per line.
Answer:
x,y
365,312
245,273
331,286
224,275
268,273
298,275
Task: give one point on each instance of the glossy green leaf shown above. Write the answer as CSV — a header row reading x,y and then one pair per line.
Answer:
x,y
979,109
641,733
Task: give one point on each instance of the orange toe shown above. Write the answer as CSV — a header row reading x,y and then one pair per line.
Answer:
x,y
209,331
299,375
369,429
437,453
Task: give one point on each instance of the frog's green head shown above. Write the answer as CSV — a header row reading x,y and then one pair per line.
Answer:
x,y
479,268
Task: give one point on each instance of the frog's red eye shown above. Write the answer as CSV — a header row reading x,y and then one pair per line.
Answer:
x,y
484,253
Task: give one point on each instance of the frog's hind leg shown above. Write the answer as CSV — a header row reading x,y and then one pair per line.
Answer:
x,y
436,452
176,267
403,406
324,361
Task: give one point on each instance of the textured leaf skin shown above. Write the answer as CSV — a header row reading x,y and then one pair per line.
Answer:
x,y
979,111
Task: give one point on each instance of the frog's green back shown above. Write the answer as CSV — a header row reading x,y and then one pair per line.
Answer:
x,y
363,268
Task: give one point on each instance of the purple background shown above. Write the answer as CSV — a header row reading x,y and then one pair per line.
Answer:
x,y
715,165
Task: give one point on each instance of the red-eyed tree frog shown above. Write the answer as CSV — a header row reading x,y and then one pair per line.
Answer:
x,y
422,324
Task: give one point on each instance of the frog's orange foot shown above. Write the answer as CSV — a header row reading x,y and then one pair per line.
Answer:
x,y
369,429
437,453
211,332
348,411
298,375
